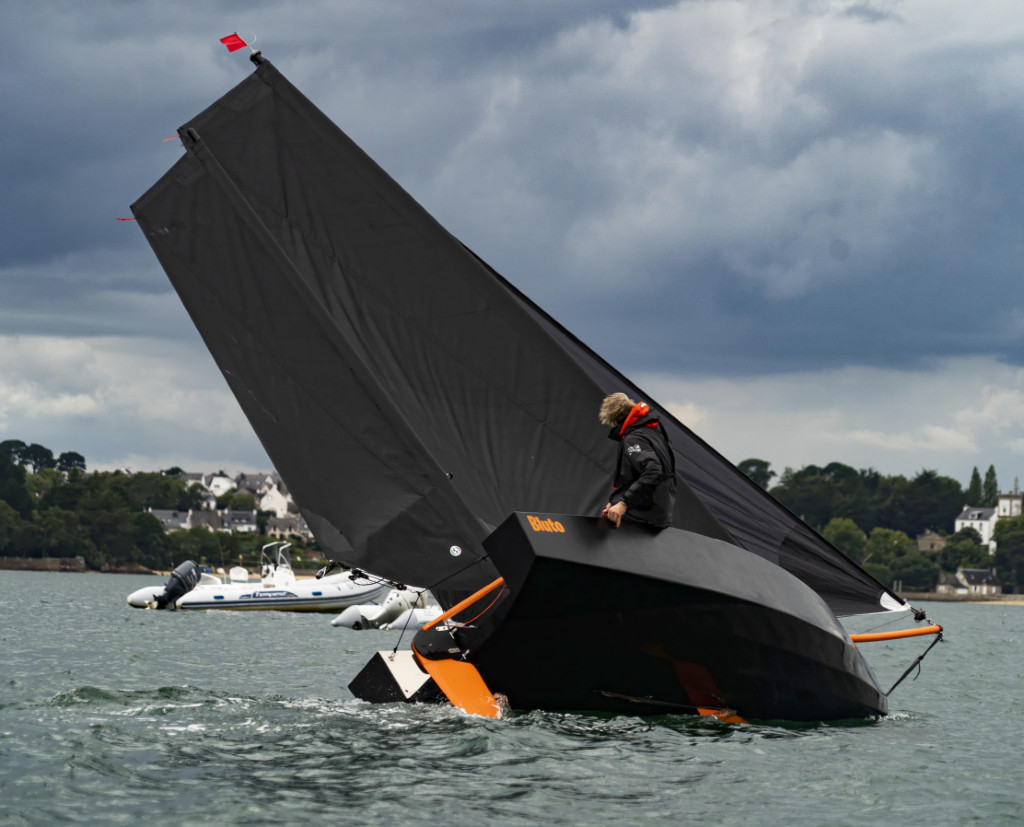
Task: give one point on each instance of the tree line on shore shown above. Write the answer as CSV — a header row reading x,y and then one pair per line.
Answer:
x,y
875,519
50,507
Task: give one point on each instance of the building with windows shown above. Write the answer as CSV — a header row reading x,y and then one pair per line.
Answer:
x,y
983,520
970,582
930,541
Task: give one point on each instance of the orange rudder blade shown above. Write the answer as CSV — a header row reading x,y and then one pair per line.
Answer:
x,y
461,684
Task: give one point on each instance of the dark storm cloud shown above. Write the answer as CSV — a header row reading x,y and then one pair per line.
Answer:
x,y
901,156
704,189
713,157
90,94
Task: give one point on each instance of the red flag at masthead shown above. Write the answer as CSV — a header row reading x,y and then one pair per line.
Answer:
x,y
233,42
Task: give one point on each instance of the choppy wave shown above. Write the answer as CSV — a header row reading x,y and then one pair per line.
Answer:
x,y
111,715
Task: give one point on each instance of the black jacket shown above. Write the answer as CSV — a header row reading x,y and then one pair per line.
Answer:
x,y
646,473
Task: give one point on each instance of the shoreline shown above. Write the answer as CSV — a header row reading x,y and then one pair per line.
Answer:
x,y
76,565
977,599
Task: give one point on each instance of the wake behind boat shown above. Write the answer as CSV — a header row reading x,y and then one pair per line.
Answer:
x,y
357,334
278,589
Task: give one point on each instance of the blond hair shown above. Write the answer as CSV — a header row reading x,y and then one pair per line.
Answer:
x,y
615,408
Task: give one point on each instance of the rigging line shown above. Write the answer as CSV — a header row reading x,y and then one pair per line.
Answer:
x,y
916,663
359,574
409,619
890,622
456,573
501,591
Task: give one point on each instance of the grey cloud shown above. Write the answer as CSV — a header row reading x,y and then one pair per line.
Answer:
x,y
779,187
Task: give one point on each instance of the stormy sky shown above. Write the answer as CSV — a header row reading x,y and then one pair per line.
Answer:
x,y
799,225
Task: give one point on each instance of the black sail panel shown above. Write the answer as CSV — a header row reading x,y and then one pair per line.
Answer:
x,y
314,407
408,395
754,519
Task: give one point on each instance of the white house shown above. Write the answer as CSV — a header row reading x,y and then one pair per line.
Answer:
x,y
970,582
1009,505
983,520
272,499
170,519
218,484
284,527
242,522
268,492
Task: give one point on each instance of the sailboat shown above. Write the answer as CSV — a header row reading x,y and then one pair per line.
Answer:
x,y
439,428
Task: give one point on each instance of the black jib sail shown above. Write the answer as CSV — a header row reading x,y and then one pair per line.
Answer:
x,y
408,394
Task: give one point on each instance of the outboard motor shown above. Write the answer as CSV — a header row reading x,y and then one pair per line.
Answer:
x,y
183,579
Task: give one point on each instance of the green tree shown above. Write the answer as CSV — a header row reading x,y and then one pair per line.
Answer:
x,y
967,533
973,494
843,533
154,549
881,573
191,498
916,571
989,489
857,493
225,498
837,490
12,450
975,557
69,461
10,525
928,501
241,501
890,501
885,546
12,487
38,485
60,533
808,493
758,471
963,548
148,490
194,544
1009,557
38,457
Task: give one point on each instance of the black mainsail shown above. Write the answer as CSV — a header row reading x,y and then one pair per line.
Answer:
x,y
408,394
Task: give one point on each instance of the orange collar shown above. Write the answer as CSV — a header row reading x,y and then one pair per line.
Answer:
x,y
639,411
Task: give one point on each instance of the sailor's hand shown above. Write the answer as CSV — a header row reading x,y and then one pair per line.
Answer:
x,y
615,513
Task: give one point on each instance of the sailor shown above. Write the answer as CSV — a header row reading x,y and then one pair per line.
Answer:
x,y
644,488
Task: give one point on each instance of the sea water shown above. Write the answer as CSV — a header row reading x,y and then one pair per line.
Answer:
x,y
113,715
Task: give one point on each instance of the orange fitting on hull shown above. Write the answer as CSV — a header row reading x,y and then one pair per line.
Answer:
x,y
895,635
462,604
726,716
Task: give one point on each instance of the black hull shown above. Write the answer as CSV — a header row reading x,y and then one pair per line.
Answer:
x,y
643,622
